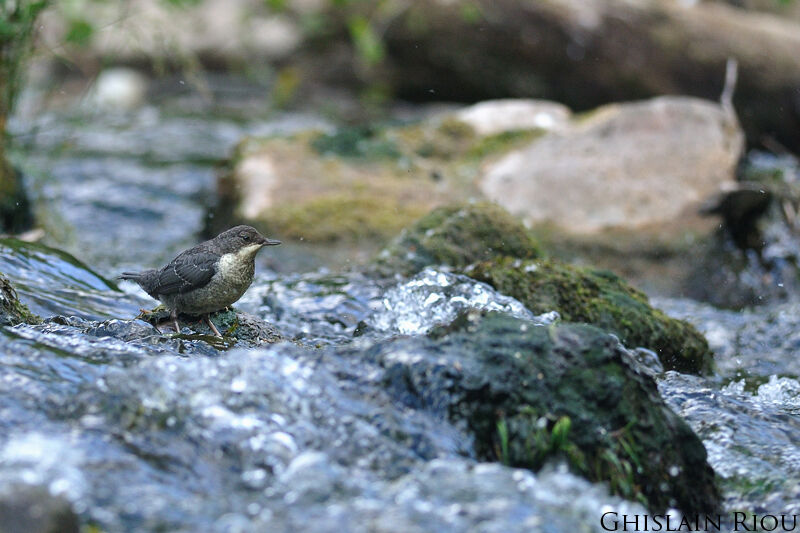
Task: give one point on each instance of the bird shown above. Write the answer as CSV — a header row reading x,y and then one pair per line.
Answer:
x,y
206,278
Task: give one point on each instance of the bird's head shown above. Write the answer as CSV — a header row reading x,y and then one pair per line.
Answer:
x,y
243,239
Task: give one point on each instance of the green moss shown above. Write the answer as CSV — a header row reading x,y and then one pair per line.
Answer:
x,y
454,139
458,235
12,311
337,217
600,298
456,129
356,142
502,142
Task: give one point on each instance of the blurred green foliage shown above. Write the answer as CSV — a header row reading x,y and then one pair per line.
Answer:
x,y
366,41
79,32
16,27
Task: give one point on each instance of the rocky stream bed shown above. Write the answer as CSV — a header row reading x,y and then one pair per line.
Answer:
x,y
478,387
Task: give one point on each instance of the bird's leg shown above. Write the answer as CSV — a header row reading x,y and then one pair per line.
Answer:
x,y
173,315
212,326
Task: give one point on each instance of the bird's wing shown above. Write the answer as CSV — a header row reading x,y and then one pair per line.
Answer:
x,y
189,271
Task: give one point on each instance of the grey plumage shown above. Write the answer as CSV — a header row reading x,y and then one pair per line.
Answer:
x,y
212,275
190,270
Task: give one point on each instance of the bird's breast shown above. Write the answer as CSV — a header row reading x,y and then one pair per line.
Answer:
x,y
236,268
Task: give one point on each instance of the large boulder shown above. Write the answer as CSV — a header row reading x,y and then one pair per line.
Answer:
x,y
530,394
638,165
486,243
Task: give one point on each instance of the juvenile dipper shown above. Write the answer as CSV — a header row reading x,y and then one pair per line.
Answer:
x,y
206,278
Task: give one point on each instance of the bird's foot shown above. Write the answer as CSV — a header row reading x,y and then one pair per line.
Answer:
x,y
212,326
174,317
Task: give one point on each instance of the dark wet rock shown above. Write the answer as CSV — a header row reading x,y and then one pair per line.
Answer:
x,y
237,328
457,235
740,209
31,509
529,394
602,299
755,254
12,311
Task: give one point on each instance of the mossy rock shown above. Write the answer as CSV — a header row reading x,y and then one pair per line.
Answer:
x,y
12,311
457,235
602,299
238,329
534,394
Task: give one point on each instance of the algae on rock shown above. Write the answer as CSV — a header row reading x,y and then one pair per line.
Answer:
x,y
602,299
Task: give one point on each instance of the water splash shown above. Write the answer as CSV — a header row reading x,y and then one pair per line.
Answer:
x,y
433,298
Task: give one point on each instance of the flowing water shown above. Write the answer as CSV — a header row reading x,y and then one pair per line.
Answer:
x,y
147,432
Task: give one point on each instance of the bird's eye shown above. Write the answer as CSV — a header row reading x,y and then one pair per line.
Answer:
x,y
245,237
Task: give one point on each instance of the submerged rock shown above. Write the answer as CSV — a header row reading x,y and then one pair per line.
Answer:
x,y
529,394
458,235
602,299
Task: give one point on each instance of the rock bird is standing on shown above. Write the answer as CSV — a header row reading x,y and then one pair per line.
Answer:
x,y
206,278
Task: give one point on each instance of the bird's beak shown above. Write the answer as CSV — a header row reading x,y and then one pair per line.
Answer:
x,y
269,242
